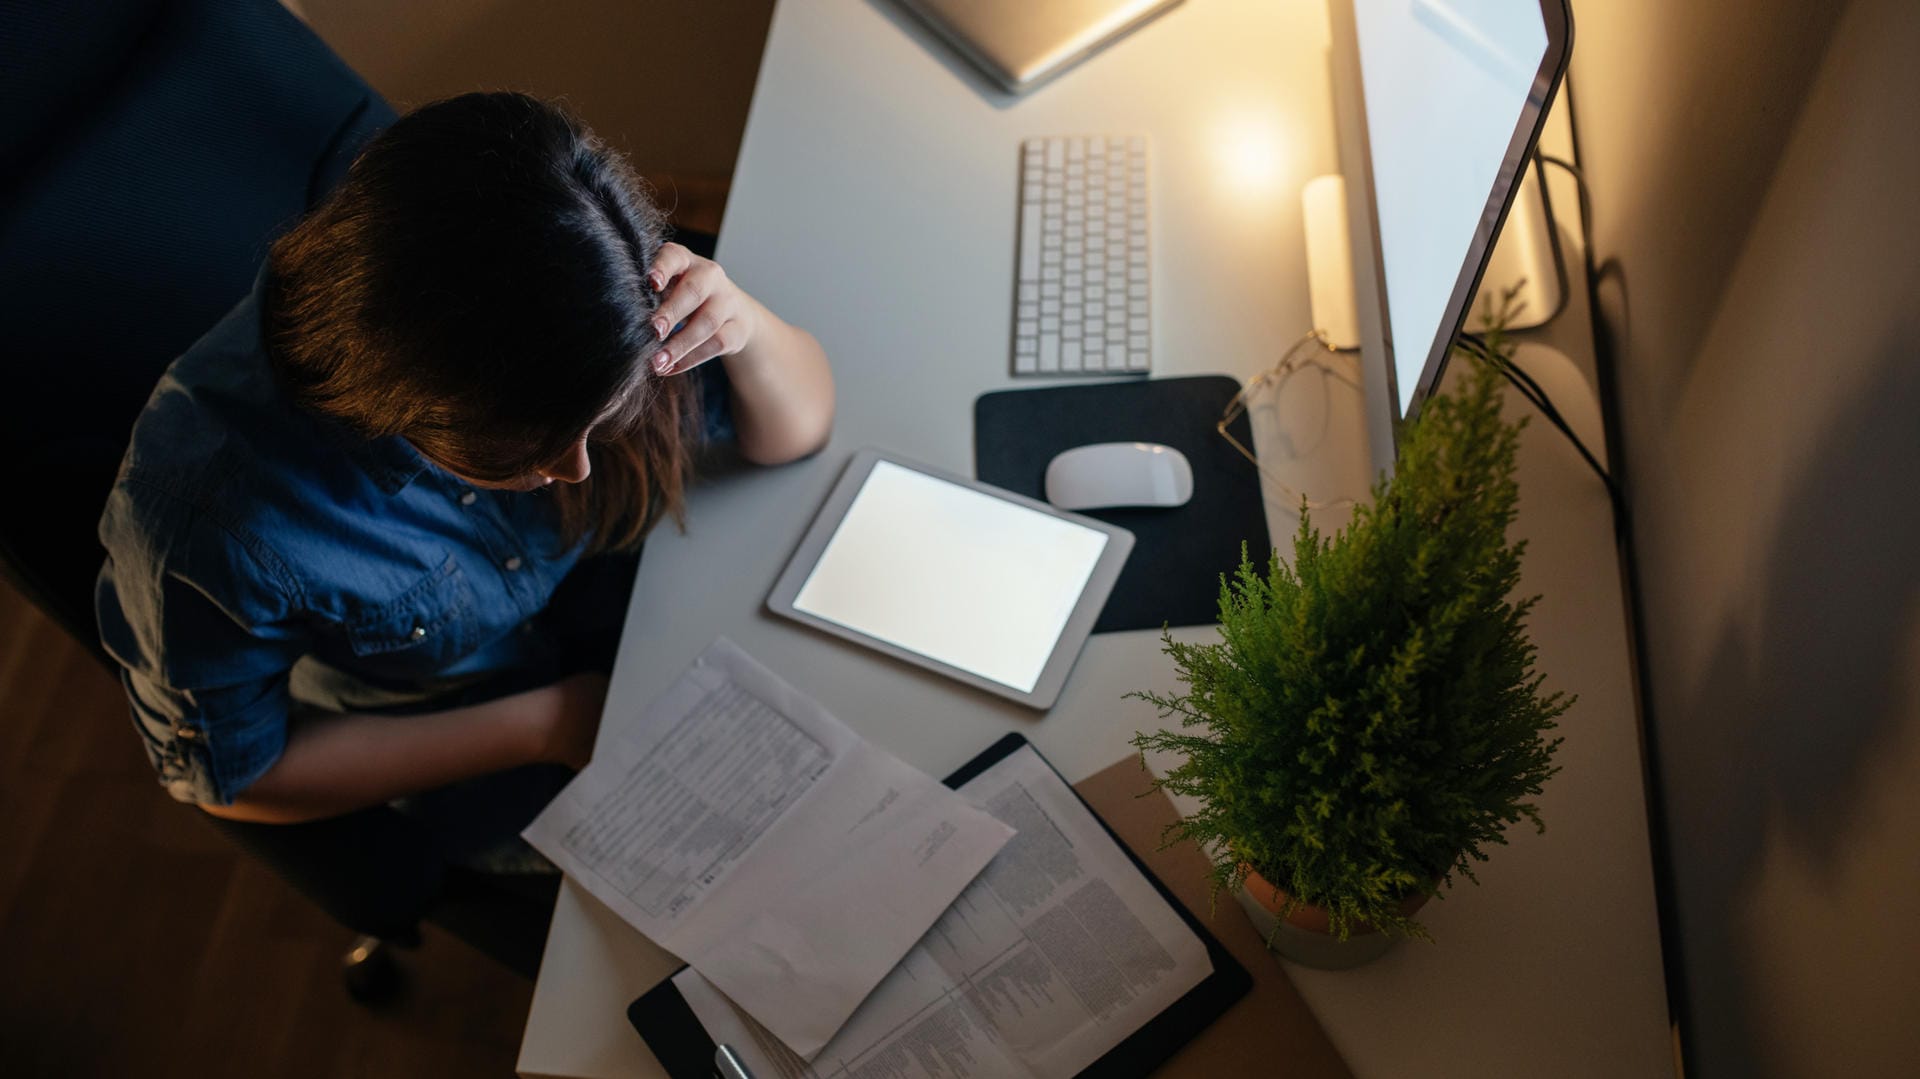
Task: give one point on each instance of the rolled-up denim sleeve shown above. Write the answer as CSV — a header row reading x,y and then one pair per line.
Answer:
x,y
196,629
208,745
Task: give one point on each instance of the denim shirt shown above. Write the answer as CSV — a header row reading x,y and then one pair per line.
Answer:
x,y
244,535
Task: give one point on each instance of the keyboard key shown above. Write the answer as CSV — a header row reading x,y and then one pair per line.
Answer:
x,y
1136,361
1116,357
1027,310
1029,291
1026,328
1070,355
1029,252
1049,354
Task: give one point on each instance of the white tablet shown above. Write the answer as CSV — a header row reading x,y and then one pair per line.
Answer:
x,y
979,584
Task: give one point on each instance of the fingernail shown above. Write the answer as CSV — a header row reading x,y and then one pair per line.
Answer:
x,y
660,329
662,361
658,280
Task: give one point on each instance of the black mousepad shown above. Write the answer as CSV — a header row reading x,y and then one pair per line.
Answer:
x,y
1173,575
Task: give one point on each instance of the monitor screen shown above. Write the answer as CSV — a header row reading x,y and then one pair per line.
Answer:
x,y
1453,93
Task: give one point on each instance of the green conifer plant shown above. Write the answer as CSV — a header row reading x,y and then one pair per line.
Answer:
x,y
1370,719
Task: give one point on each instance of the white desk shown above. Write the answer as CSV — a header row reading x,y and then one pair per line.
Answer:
x,y
874,203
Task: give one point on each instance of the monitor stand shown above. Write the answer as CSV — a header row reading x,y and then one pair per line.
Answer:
x,y
1524,256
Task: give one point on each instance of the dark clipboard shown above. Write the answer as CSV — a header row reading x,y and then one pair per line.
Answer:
x,y
684,1049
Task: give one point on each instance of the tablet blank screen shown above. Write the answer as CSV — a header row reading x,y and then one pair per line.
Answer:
x,y
958,576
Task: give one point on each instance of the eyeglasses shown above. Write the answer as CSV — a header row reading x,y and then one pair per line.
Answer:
x,y
1311,350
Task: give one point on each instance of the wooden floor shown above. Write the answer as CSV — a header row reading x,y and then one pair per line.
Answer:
x,y
134,941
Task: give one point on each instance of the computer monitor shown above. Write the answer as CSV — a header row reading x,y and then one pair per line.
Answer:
x,y
1439,104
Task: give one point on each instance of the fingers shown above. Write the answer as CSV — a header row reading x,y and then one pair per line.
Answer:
x,y
686,291
704,336
670,262
700,316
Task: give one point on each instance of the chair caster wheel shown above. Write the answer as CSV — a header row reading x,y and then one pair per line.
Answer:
x,y
370,972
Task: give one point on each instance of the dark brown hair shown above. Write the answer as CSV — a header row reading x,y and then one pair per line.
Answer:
x,y
478,286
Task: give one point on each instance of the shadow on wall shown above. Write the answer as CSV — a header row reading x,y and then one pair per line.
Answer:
x,y
1685,133
1817,686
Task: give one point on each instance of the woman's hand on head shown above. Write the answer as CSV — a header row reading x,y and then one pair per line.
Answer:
x,y
571,713
779,386
715,316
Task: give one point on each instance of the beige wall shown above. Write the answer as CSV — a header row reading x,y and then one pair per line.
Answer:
x,y
1753,169
667,81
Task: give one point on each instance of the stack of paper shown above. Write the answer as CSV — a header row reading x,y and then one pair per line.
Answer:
x,y
746,830
1060,951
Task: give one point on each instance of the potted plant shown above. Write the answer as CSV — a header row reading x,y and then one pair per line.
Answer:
x,y
1370,719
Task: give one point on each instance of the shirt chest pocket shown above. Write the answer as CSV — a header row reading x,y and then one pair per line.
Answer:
x,y
424,628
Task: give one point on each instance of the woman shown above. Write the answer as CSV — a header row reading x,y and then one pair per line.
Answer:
x,y
472,374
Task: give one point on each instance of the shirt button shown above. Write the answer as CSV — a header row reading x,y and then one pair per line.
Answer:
x,y
418,633
467,497
512,564
186,733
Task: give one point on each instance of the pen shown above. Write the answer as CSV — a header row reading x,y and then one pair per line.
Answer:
x,y
727,1065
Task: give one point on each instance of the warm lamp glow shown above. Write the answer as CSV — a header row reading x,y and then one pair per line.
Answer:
x,y
1251,154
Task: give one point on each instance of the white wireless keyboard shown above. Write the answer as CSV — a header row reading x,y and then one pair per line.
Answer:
x,y
1082,298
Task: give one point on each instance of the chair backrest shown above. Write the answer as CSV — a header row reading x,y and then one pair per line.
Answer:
x,y
149,153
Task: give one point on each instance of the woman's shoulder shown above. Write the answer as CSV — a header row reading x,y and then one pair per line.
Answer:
x,y
221,458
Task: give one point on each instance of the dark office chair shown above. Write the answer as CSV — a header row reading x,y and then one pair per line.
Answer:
x,y
149,152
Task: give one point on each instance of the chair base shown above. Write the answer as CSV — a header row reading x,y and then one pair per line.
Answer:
x,y
370,973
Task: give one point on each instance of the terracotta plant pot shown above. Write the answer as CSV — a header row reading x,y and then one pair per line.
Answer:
x,y
1306,934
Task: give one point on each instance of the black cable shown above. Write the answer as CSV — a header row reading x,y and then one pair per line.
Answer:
x,y
1535,395
1513,373
1673,960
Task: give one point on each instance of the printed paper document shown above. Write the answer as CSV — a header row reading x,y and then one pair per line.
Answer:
x,y
746,830
1058,952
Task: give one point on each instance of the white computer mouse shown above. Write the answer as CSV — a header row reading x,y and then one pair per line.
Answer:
x,y
1106,475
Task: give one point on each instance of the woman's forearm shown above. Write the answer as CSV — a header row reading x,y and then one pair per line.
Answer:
x,y
337,763
782,392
